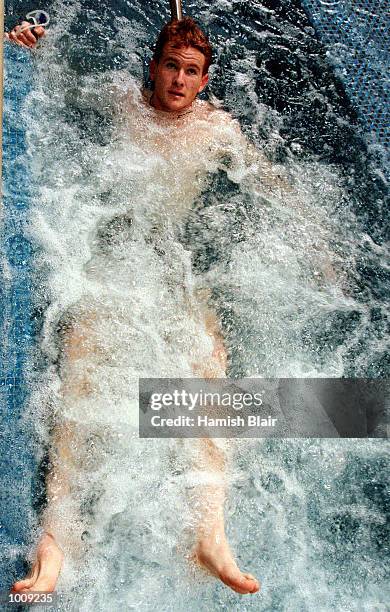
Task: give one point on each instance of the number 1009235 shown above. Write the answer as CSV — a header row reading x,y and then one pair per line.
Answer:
x,y
27,598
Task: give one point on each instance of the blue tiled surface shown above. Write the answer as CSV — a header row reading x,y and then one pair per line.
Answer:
x,y
356,35
16,462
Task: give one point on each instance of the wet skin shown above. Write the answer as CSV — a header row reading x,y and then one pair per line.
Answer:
x,y
178,78
45,570
213,553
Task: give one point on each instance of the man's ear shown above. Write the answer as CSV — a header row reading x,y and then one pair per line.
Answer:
x,y
152,69
203,83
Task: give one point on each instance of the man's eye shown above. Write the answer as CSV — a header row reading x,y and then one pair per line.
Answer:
x,y
192,71
171,65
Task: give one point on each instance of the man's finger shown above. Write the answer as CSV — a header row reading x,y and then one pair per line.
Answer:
x,y
24,29
21,37
39,31
30,36
22,26
15,38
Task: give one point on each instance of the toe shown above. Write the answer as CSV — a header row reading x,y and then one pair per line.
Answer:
x,y
27,582
237,581
253,583
22,584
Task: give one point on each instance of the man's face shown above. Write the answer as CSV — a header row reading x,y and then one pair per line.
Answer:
x,y
178,78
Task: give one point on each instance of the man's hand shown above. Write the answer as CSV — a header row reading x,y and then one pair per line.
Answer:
x,y
26,37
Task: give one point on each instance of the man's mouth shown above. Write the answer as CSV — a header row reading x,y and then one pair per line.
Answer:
x,y
176,93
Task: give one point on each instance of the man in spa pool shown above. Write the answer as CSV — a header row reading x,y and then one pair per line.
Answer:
x,y
179,72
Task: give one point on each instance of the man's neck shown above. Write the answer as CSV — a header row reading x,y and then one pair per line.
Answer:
x,y
173,114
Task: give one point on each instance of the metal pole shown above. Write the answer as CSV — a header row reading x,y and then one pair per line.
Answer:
x,y
176,10
1,91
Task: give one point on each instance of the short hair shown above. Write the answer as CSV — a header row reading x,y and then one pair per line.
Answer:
x,y
184,33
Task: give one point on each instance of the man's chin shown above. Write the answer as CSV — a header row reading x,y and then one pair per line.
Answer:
x,y
176,105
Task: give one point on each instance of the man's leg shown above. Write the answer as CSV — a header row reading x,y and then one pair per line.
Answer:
x,y
49,556
59,515
212,550
215,366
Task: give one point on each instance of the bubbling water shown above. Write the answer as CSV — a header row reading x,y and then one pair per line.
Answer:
x,y
133,216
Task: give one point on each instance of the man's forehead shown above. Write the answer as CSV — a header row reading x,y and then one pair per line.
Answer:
x,y
186,54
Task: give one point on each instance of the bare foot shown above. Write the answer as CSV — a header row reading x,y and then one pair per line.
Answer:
x,y
213,553
46,569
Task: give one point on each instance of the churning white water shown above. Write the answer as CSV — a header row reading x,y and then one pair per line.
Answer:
x,y
133,215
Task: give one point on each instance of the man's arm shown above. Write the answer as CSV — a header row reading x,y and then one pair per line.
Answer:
x,y
79,351
251,166
244,160
271,176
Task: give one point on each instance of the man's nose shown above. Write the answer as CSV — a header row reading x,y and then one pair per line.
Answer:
x,y
179,77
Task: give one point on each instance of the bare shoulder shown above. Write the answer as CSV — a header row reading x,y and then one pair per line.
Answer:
x,y
221,121
213,110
